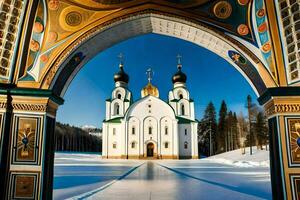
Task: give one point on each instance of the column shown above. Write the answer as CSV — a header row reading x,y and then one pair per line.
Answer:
x,y
28,144
284,127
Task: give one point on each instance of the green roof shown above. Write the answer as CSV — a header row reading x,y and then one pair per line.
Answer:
x,y
114,120
176,100
182,120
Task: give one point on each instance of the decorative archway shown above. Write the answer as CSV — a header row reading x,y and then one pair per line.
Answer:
x,y
40,56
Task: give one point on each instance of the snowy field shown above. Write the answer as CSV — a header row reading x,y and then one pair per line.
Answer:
x,y
229,175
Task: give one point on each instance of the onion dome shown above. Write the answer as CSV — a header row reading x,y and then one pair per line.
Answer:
x,y
121,76
179,76
150,89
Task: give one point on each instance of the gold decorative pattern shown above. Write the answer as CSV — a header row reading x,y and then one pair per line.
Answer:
x,y
223,10
90,33
73,18
53,4
30,107
10,12
282,106
294,139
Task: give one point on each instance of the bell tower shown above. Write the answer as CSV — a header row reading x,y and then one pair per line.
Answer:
x,y
179,96
121,97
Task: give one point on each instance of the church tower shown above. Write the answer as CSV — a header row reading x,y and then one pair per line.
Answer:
x,y
179,96
121,97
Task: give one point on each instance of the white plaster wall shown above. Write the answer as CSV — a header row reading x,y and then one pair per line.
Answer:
x,y
185,138
118,138
166,122
133,122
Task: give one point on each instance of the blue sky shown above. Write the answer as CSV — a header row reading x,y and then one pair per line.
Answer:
x,y
210,78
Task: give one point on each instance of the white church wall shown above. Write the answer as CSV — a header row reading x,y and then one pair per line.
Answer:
x,y
185,136
114,134
133,132
108,110
181,91
166,136
119,91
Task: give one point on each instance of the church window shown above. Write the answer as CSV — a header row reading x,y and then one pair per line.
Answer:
x,y
133,131
117,109
166,130
119,96
182,109
180,96
185,145
114,131
185,131
166,145
150,130
114,145
133,145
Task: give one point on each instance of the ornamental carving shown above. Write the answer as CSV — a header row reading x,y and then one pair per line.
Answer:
x,y
73,18
30,107
276,107
294,140
222,10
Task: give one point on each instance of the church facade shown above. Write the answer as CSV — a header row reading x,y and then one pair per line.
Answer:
x,y
150,127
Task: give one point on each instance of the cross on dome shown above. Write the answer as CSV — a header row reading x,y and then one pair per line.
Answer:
x,y
121,58
179,65
150,74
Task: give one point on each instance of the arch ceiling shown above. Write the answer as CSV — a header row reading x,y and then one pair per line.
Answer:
x,y
67,33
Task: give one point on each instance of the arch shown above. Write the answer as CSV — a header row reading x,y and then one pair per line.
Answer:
x,y
116,109
150,149
160,23
182,109
186,145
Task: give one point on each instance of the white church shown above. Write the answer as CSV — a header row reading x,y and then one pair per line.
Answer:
x,y
150,127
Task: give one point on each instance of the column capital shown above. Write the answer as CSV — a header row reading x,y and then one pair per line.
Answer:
x,y
282,105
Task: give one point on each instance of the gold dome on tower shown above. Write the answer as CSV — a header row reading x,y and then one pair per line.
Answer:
x,y
149,89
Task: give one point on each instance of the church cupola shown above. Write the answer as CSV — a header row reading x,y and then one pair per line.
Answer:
x,y
179,78
121,78
149,89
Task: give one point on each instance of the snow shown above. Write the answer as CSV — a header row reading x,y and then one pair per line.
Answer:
x,y
230,175
259,158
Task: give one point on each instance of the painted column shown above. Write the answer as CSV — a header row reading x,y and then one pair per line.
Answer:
x,y
284,127
29,144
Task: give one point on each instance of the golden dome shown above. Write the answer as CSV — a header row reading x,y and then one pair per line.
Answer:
x,y
150,89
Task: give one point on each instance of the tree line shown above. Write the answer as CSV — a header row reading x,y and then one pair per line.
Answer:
x,y
231,131
71,138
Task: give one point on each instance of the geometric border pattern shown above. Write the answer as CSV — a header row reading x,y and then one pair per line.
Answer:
x,y
1,130
13,186
295,184
37,149
290,146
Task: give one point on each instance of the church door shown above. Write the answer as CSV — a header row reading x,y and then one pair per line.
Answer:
x,y
150,149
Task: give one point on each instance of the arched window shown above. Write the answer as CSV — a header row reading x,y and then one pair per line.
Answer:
x,y
182,109
180,96
119,96
185,145
117,109
185,131
166,130
166,145
133,130
114,131
150,130
115,145
133,145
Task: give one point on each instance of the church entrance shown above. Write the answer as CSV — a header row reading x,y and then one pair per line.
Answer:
x,y
150,150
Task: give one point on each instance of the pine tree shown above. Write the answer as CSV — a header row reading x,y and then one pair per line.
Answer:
x,y
261,130
236,138
221,134
207,126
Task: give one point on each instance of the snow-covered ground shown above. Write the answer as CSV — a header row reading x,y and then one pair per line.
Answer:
x,y
259,158
230,175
